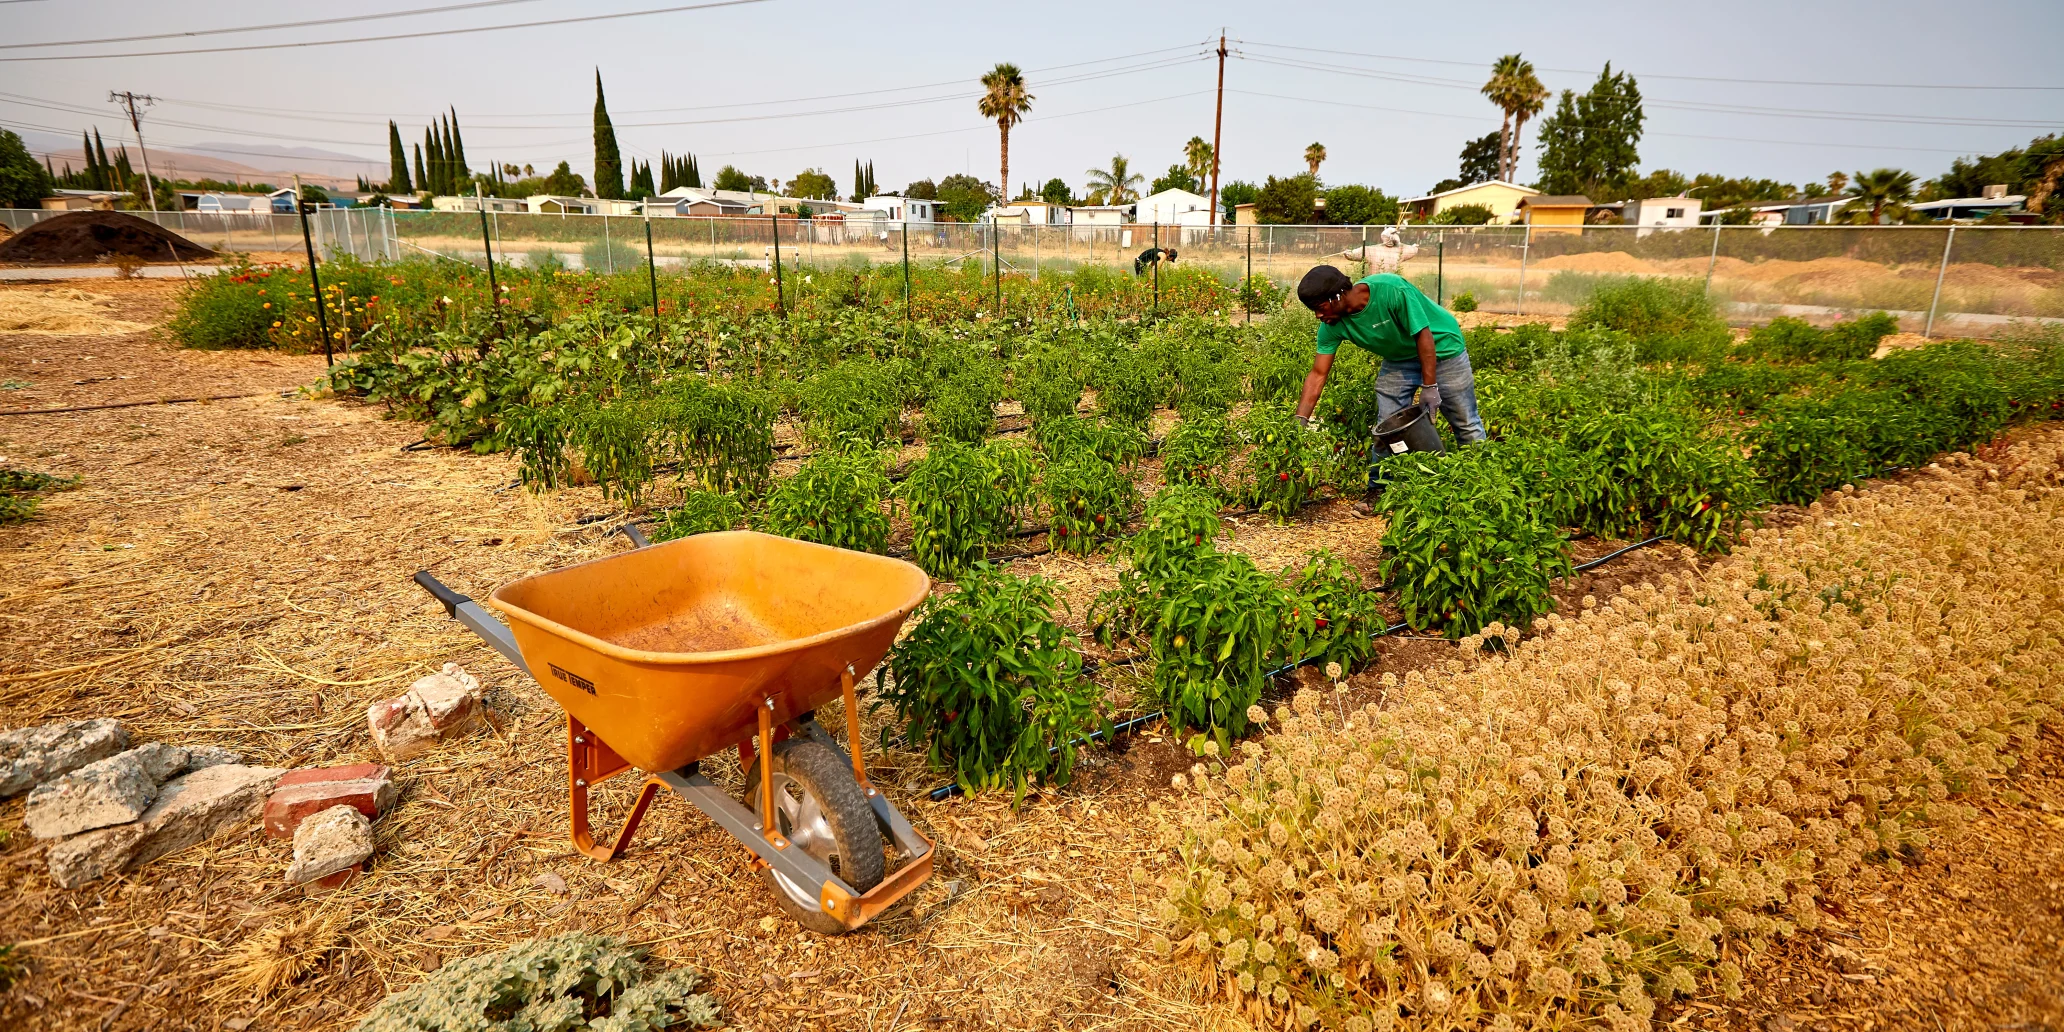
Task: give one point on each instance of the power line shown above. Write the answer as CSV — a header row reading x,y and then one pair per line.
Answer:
x,y
264,28
395,36
964,129
1657,75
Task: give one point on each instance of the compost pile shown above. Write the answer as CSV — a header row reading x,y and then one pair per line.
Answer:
x,y
88,236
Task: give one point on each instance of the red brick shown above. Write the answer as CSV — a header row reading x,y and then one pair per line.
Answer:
x,y
349,772
290,805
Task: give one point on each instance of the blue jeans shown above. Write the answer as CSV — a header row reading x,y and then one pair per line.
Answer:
x,y
1397,385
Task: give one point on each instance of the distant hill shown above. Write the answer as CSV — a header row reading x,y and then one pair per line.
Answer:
x,y
233,162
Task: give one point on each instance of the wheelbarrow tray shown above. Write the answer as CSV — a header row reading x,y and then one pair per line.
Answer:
x,y
669,652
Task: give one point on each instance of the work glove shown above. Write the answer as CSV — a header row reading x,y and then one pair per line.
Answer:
x,y
1429,398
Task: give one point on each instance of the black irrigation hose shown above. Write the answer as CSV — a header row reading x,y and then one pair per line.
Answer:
x,y
141,404
947,791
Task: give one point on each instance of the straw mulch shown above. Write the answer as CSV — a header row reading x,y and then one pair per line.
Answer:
x,y
236,574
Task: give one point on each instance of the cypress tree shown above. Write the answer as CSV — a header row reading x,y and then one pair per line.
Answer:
x,y
422,174
641,181
397,163
429,177
104,179
694,177
445,177
608,160
459,149
86,144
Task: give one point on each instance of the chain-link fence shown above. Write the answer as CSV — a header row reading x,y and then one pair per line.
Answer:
x,y
1962,280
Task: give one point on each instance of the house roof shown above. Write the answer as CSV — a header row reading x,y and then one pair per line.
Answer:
x,y
2008,201
1472,186
1555,201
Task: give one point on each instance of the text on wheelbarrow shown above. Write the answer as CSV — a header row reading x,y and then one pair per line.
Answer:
x,y
575,680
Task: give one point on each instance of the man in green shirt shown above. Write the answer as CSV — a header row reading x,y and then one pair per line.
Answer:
x,y
1419,342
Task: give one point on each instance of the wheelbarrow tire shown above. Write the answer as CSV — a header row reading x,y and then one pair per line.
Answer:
x,y
848,840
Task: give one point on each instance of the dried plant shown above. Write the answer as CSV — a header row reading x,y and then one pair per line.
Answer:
x,y
1630,805
281,953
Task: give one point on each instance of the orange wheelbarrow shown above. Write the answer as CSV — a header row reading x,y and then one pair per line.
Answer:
x,y
667,654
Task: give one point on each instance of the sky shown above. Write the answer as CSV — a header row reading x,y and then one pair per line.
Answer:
x,y
1785,90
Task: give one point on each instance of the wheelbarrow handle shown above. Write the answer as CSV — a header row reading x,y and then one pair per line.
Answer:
x,y
451,600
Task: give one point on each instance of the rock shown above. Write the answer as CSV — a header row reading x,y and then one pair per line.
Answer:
x,y
115,790
439,706
189,809
209,756
330,842
362,786
30,756
551,883
159,760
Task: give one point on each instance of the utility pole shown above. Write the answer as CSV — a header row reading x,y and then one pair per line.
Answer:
x,y
128,100
1217,123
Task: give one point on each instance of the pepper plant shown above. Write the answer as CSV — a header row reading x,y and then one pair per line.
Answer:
x,y
1285,462
1465,546
1332,617
1216,627
1196,450
858,398
1086,498
834,499
990,685
964,499
699,512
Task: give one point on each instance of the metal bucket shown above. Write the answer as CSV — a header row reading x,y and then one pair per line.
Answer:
x,y
1407,430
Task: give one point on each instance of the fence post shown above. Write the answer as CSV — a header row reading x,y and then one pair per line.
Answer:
x,y
1525,245
1157,270
1248,283
494,290
322,318
1712,259
905,227
780,302
1440,267
996,261
1940,272
608,248
652,273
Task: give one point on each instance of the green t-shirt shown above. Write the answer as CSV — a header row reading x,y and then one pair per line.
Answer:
x,y
1389,324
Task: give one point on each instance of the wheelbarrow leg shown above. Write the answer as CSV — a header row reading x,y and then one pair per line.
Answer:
x,y
590,760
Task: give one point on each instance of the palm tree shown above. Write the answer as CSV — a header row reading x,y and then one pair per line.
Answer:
x,y
1881,188
1115,185
1518,92
1197,154
1312,156
1006,100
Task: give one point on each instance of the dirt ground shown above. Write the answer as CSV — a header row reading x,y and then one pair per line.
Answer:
x,y
236,574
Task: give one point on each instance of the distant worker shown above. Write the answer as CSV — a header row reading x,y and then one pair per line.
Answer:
x,y
1419,342
1152,256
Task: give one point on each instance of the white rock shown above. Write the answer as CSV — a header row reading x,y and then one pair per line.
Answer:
x,y
116,790
436,707
30,756
159,760
189,809
333,840
209,756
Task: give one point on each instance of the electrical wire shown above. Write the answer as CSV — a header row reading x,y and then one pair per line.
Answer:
x,y
264,28
426,34
1657,75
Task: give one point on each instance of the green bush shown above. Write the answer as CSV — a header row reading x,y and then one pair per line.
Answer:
x,y
1086,498
226,310
1216,625
722,433
1128,388
834,499
1197,448
962,406
1285,462
1670,320
1658,464
1465,546
1332,617
1067,437
1786,339
990,686
566,982
1260,294
700,512
1463,302
858,398
963,500
1803,447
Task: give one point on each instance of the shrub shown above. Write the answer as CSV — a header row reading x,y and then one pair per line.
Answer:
x,y
1465,547
1086,498
1657,464
858,398
1260,294
1196,450
963,406
1047,385
1181,523
1671,320
1786,339
566,982
1621,809
1805,447
1285,462
1067,437
700,512
230,309
721,433
1499,347
1128,388
1463,302
1216,626
991,687
1744,388
963,499
834,499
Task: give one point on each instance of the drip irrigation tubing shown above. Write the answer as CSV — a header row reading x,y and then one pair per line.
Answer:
x,y
947,791
140,404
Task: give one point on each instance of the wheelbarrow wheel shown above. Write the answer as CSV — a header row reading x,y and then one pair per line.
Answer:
x,y
820,808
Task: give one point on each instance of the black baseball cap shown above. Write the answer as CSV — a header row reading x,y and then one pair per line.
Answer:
x,y
1322,284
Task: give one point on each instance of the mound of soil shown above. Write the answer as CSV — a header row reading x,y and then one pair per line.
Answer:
x,y
88,236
